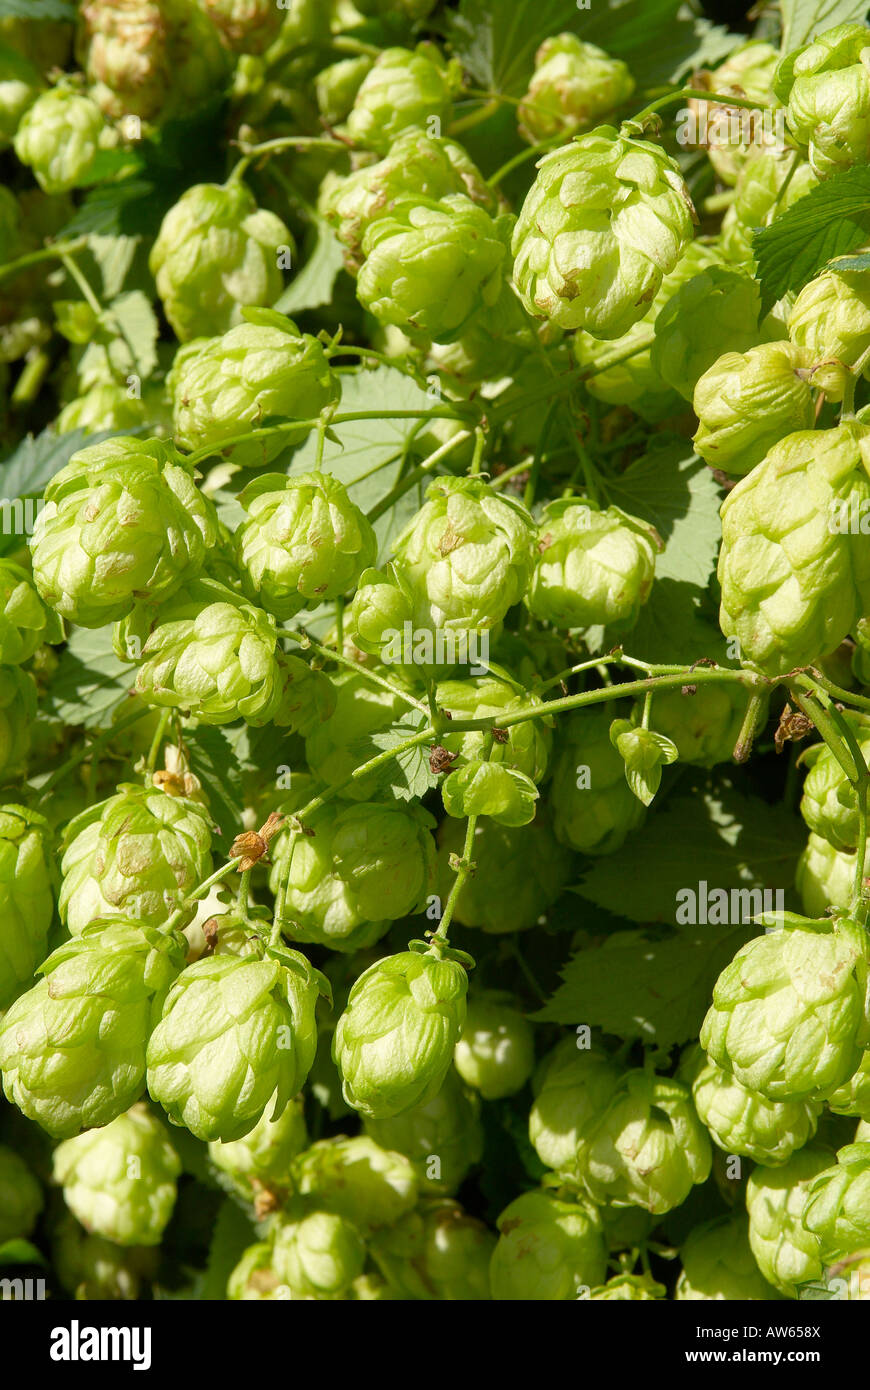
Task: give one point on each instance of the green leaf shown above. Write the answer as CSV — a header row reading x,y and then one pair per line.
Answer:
x,y
62,10
21,1252
832,220
90,685
638,985
312,286
214,762
409,775
802,20
742,843
233,1233
137,324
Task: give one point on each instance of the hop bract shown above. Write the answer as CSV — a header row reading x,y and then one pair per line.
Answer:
x,y
830,320
826,88
838,1203
58,137
403,91
549,1249
26,902
304,542
122,521
604,221
235,1035
316,1253
215,253
829,804
72,1049
395,1040
574,85
593,566
137,854
787,1016
747,402
120,1181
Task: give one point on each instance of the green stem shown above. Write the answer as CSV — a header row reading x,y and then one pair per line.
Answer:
x,y
459,882
330,654
474,118
686,93
522,158
288,142
479,446
201,891
436,413
75,273
405,484
46,253
159,735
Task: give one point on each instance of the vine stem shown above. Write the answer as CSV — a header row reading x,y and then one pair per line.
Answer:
x,y
459,882
330,654
159,735
436,413
55,252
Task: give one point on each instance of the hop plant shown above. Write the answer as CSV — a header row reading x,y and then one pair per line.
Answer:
x,y
748,401
574,84
25,898
20,85
247,26
403,91
853,1097
304,542
17,710
416,167
825,87
593,567
830,321
394,1042
436,1252
226,386
787,1017
519,872
741,1122
21,1198
790,603
361,709
217,252
837,1209
122,521
829,804
360,870
120,1181
718,1263
138,854
527,745
705,722
58,138
594,809
548,1249
235,1035
442,1137
72,1049
825,877
573,1088
684,349
496,1051
429,267
262,1158
317,1254
358,1180
786,1253
604,221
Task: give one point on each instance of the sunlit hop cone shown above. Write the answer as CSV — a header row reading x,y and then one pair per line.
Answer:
x,y
787,1254
316,1253
747,402
25,898
356,1178
549,1249
574,84
838,1203
58,138
742,1122
403,91
826,88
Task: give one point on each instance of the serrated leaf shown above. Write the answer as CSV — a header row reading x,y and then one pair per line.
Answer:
x,y
137,324
637,985
90,684
831,220
312,286
408,775
214,762
803,19
741,842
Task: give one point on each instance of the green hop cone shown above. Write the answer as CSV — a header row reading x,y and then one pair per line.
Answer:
x,y
481,788
684,349
825,877
72,1049
748,401
629,1288
17,715
704,721
21,1198
253,1278
58,138
648,1148
496,1049
787,1254
572,1087
594,809
429,266
437,1252
787,1017
336,87
246,26
214,655
215,253
20,85
574,84
26,902
606,218
137,854
442,1137
91,1268
108,406
361,709
120,1181
718,1263
236,1035
317,1254
357,1179
794,578
527,745
122,521
593,567
741,1122
519,873
853,1097
304,542
732,135
838,1204
403,91
364,866
549,1249
829,804
227,386
262,1158
830,320
416,167
825,86
394,1042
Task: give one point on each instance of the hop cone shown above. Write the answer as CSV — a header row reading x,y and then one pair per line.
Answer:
x,y
357,1179
442,1137
26,903
21,1198
573,1088
519,873
593,567
826,88
829,804
838,1204
262,1158
706,725
573,86
437,1252
496,1050
58,138
787,1254
527,745
403,91
549,1249
594,809
746,402
825,877
317,1254
741,1122
718,1263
